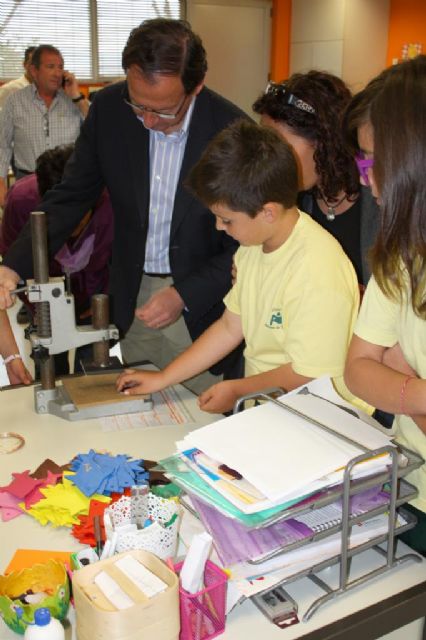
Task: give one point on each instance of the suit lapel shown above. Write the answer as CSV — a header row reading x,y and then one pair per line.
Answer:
x,y
136,139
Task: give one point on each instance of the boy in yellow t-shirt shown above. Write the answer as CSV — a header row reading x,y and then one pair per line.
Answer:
x,y
296,295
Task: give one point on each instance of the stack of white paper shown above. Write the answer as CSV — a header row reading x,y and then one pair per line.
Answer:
x,y
285,456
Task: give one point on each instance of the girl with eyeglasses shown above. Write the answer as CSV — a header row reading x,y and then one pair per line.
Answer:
x,y
386,364
306,110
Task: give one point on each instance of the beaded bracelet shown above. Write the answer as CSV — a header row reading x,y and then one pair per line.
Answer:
x,y
13,356
402,394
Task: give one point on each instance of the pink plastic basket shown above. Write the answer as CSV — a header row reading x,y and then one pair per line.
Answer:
x,y
202,614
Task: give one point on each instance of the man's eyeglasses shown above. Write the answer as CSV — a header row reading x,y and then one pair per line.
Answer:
x,y
164,116
283,93
364,164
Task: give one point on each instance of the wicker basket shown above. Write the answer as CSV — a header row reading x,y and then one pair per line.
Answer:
x,y
149,618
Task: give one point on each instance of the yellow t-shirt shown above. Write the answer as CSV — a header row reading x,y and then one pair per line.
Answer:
x,y
385,322
297,304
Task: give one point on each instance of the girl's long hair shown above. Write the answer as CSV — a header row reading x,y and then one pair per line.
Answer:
x,y
398,118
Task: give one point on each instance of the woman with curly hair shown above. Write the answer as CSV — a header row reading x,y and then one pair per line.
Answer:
x,y
306,110
393,311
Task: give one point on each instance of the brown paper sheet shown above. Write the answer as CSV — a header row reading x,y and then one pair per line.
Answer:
x,y
92,390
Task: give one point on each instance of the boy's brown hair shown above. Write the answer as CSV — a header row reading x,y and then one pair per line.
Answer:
x,y
244,167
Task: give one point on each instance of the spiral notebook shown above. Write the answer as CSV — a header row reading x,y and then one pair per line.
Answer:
x,y
325,518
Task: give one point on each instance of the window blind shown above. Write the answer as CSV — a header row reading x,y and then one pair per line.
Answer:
x,y
116,20
90,34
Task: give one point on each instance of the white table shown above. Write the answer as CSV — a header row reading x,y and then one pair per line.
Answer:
x,y
368,612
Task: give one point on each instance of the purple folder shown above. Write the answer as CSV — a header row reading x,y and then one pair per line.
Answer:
x,y
236,543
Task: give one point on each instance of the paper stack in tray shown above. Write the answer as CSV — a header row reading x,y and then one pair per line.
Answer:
x,y
243,472
267,458
281,456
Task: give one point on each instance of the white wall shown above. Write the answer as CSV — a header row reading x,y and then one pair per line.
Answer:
x,y
365,40
345,37
317,35
236,35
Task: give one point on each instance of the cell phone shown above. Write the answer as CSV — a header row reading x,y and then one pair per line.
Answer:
x,y
64,81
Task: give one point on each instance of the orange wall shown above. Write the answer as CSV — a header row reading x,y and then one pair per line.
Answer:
x,y
280,41
407,24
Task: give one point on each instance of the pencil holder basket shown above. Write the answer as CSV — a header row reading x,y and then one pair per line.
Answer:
x,y
202,614
154,617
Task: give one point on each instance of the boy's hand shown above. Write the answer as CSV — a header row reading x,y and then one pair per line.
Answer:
x,y
17,372
219,398
133,382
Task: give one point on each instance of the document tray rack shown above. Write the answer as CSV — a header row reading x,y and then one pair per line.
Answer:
x,y
406,493
350,487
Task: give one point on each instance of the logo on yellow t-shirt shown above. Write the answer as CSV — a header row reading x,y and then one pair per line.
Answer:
x,y
275,320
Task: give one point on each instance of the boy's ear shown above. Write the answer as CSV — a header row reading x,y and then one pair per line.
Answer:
x,y
270,212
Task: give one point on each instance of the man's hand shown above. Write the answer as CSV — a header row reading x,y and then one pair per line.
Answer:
x,y
133,382
8,281
3,191
162,309
17,372
219,398
72,90
71,87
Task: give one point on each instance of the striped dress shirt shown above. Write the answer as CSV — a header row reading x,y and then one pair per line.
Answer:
x,y
165,158
28,127
10,87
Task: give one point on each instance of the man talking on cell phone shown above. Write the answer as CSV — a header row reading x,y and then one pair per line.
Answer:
x,y
43,115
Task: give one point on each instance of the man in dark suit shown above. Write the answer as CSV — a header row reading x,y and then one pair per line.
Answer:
x,y
140,140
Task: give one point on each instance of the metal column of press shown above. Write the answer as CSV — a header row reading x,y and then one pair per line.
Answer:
x,y
41,276
100,320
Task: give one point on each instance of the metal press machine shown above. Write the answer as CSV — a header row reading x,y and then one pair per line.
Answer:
x,y
92,395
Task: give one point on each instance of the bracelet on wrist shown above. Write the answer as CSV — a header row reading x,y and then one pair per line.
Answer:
x,y
13,356
80,97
